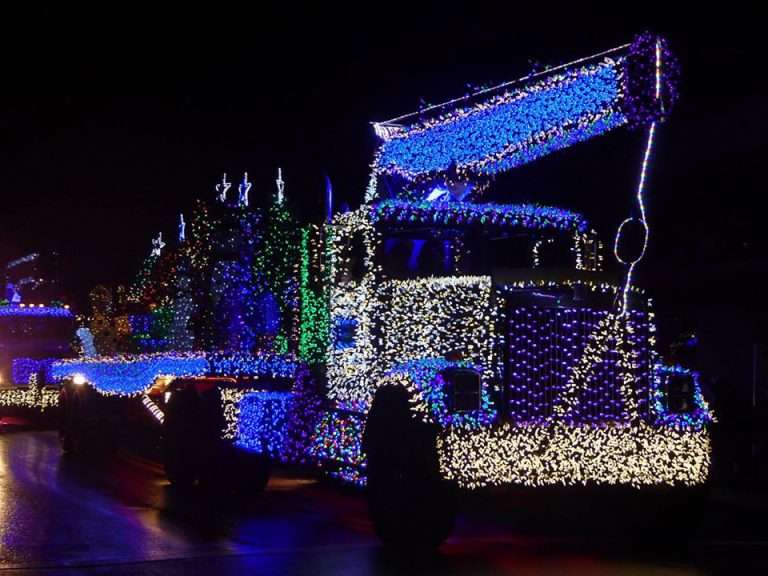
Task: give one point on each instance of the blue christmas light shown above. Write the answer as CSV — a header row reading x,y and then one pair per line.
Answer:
x,y
129,375
700,415
465,213
263,423
23,368
545,344
36,311
126,375
512,129
431,389
252,365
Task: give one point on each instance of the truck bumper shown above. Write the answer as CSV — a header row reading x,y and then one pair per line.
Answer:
x,y
637,454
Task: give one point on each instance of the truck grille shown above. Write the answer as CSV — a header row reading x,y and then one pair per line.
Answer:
x,y
543,347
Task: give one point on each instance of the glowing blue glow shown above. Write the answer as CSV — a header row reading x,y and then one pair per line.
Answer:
x,y
263,423
252,365
36,311
512,129
699,415
23,368
436,193
529,216
343,333
426,376
128,375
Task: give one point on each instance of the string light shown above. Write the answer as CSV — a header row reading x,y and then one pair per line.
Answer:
x,y
428,397
697,415
642,220
23,369
635,455
34,395
130,375
510,129
243,189
158,245
40,311
222,188
518,122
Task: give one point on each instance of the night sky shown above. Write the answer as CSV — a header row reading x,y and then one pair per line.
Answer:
x,y
111,124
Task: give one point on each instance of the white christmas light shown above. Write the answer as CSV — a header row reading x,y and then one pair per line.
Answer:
x,y
157,245
280,186
222,188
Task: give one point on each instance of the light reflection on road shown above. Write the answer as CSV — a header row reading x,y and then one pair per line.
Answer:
x,y
57,513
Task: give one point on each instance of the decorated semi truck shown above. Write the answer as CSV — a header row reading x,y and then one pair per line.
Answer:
x,y
423,343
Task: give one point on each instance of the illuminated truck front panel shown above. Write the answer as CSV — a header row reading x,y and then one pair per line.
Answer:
x,y
544,349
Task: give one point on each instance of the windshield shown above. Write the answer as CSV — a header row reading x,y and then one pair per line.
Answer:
x,y
418,253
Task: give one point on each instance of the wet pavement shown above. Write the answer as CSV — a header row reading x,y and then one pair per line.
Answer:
x,y
59,515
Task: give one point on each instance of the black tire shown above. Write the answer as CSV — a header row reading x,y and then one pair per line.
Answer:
x,y
410,506
179,439
223,467
89,425
65,425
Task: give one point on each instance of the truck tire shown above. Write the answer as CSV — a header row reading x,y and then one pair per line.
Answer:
x,y
224,467
65,435
180,439
410,506
89,425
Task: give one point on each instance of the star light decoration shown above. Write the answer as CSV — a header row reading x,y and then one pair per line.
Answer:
x,y
222,188
243,189
157,245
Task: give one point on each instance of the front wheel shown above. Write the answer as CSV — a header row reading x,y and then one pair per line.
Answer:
x,y
410,506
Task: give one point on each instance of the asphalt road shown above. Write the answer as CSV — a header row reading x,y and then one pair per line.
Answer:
x,y
59,515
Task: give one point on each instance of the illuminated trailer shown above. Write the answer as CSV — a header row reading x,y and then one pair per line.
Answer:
x,y
424,342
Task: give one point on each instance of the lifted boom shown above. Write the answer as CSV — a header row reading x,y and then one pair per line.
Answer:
x,y
498,129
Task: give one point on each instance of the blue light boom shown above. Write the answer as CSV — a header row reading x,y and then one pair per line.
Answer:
x,y
518,122
510,130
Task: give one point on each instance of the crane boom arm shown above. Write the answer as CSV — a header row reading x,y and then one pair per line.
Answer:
x,y
499,129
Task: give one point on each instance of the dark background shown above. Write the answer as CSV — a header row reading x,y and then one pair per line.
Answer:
x,y
112,122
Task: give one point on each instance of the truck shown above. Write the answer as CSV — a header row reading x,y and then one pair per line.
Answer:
x,y
36,328
425,343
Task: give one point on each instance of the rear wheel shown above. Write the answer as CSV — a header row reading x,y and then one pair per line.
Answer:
x,y
223,467
410,506
89,425
179,441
